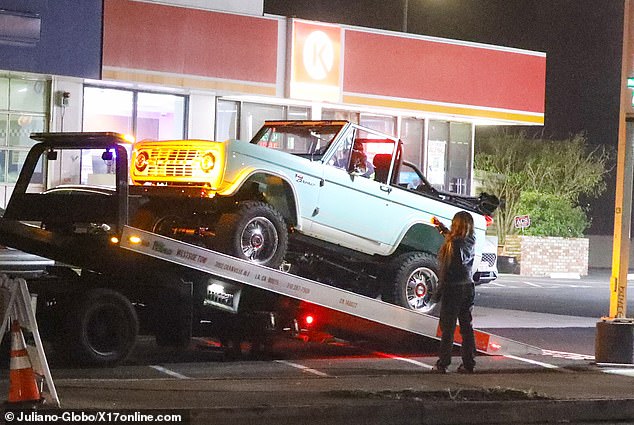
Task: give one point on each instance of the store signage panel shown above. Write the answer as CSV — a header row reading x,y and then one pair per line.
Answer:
x,y
179,41
315,61
444,72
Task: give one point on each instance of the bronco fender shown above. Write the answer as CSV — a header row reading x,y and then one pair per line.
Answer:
x,y
421,237
272,188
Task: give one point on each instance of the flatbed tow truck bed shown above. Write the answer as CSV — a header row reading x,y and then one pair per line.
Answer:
x,y
141,250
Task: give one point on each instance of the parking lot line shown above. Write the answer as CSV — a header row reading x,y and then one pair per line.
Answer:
x,y
623,372
169,372
303,368
531,361
403,359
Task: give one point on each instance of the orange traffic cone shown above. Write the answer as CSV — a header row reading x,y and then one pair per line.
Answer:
x,y
22,381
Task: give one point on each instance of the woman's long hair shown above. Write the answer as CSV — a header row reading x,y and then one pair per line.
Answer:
x,y
461,227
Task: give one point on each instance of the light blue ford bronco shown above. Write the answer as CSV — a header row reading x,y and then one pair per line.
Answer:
x,y
328,200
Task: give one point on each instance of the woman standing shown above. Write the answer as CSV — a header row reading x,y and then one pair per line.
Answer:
x,y
456,291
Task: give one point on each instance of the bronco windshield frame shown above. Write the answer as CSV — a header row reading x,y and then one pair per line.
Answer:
x,y
303,138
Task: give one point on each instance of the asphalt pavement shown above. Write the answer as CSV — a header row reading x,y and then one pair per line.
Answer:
x,y
502,391
554,387
551,387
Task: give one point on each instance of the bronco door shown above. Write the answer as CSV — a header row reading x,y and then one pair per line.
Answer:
x,y
354,207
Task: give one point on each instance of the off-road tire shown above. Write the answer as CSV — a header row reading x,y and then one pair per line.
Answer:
x,y
253,231
414,279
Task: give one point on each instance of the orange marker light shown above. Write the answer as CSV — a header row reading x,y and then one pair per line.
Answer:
x,y
129,138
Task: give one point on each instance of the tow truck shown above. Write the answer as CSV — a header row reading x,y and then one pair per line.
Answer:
x,y
112,281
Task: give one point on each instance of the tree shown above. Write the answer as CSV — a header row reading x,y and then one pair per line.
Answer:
x,y
512,163
552,215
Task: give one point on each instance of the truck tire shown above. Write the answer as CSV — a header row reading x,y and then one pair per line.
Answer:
x,y
254,231
102,328
415,278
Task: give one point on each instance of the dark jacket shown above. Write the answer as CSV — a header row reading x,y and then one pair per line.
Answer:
x,y
459,269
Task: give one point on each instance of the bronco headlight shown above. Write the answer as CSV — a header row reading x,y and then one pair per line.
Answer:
x,y
141,161
208,162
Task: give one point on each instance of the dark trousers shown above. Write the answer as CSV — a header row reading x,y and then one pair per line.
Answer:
x,y
457,304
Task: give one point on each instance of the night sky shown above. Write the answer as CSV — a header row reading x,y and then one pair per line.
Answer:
x,y
581,38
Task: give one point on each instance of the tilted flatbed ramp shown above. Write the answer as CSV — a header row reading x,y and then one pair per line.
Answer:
x,y
237,270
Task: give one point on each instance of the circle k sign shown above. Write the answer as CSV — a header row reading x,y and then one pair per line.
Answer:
x,y
318,55
315,61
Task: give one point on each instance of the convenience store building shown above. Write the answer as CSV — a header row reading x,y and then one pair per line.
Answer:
x,y
168,71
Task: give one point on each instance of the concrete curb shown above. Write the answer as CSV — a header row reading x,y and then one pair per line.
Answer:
x,y
400,412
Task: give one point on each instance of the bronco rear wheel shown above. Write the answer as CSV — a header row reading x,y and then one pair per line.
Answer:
x,y
254,231
414,282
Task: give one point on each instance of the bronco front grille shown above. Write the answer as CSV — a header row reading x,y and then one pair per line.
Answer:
x,y
489,258
171,162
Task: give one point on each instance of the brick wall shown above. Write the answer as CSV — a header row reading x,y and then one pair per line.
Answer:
x,y
542,256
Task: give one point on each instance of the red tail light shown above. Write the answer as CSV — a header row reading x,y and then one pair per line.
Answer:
x,y
489,220
309,319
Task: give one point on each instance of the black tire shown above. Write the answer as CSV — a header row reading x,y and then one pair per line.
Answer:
x,y
254,231
101,329
414,281
149,219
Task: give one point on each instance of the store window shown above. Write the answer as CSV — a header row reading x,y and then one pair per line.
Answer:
x,y
160,116
23,110
413,136
297,113
145,115
459,166
242,120
4,94
337,114
384,124
227,119
108,110
253,115
437,153
449,156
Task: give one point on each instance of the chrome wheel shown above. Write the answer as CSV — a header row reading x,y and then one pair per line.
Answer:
x,y
253,231
259,240
414,281
421,284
